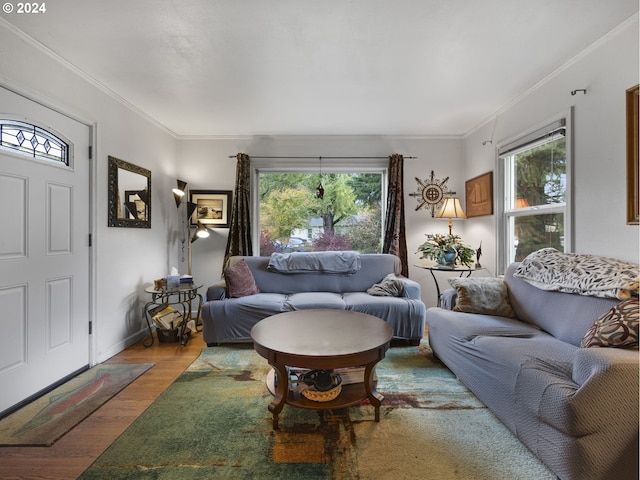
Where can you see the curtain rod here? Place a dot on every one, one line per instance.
(317, 157)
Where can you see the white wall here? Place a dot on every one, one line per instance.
(606, 70)
(126, 259)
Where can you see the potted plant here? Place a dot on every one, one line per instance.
(447, 250)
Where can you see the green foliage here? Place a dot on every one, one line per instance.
(541, 180)
(538, 231)
(539, 173)
(438, 244)
(339, 202)
(288, 202)
(367, 187)
(270, 182)
(284, 211)
(365, 234)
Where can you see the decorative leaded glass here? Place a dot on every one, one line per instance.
(32, 141)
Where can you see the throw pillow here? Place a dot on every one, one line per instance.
(390, 286)
(617, 327)
(485, 295)
(240, 281)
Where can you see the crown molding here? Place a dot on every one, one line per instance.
(312, 137)
(628, 23)
(82, 74)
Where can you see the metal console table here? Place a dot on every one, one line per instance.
(440, 268)
(182, 296)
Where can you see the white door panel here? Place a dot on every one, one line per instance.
(13, 193)
(44, 258)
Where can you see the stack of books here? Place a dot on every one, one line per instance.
(168, 319)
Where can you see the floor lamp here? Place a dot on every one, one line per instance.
(201, 232)
(179, 194)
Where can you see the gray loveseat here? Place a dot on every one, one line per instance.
(575, 408)
(226, 319)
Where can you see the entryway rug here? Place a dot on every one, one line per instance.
(213, 423)
(45, 420)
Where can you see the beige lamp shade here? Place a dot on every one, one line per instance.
(451, 209)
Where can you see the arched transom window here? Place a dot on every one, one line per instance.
(33, 141)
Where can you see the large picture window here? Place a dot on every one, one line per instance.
(535, 182)
(293, 217)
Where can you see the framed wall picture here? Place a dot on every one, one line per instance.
(213, 208)
(633, 126)
(479, 195)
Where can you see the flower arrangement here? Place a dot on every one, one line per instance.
(447, 250)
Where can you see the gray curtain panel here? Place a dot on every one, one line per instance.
(239, 242)
(395, 239)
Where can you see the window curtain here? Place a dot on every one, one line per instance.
(395, 238)
(239, 242)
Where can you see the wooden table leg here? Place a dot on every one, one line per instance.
(281, 387)
(372, 393)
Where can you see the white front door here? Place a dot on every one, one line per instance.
(44, 254)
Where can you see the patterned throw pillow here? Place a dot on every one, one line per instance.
(485, 295)
(240, 281)
(618, 327)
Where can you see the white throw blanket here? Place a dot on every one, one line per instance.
(549, 269)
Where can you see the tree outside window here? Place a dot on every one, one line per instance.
(293, 218)
(536, 196)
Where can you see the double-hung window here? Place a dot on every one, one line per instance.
(535, 178)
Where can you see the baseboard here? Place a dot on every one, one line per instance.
(122, 345)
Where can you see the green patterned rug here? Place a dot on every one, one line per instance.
(213, 423)
(45, 420)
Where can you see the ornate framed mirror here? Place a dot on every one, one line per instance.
(129, 195)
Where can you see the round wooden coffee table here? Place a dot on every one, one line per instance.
(322, 339)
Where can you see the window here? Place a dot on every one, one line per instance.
(536, 192)
(292, 218)
(32, 141)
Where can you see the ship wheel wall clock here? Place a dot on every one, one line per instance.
(431, 193)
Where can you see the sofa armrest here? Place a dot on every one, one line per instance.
(606, 398)
(217, 291)
(618, 365)
(411, 288)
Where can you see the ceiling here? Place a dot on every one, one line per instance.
(343, 67)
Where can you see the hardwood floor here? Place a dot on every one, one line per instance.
(73, 453)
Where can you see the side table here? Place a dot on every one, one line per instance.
(182, 296)
(440, 268)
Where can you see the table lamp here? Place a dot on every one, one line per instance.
(451, 209)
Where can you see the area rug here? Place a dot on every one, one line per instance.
(213, 423)
(45, 420)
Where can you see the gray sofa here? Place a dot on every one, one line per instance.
(575, 408)
(226, 319)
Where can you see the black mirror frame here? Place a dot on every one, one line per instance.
(114, 220)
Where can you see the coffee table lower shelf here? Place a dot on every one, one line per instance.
(350, 395)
